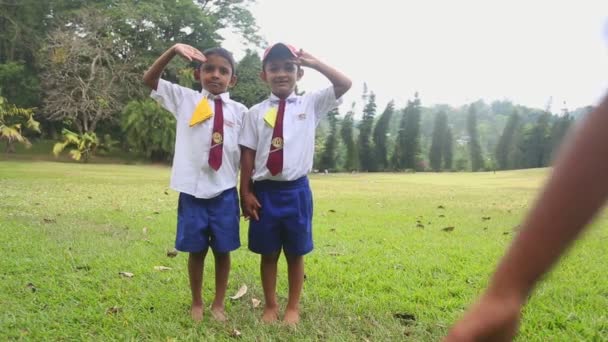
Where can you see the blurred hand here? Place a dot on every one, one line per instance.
(492, 318)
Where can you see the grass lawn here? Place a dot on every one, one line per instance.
(68, 229)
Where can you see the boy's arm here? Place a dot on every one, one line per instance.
(340, 82)
(152, 75)
(249, 202)
(575, 192)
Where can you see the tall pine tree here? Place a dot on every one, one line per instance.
(440, 130)
(366, 153)
(348, 138)
(474, 144)
(328, 158)
(407, 148)
(448, 150)
(506, 142)
(380, 136)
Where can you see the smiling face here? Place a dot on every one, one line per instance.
(281, 74)
(216, 74)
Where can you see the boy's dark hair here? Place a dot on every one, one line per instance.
(220, 51)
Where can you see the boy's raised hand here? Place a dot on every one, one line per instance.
(189, 53)
(306, 59)
(250, 206)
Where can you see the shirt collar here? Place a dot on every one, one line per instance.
(224, 96)
(290, 99)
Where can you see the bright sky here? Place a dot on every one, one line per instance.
(450, 52)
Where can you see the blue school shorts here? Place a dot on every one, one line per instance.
(204, 223)
(285, 218)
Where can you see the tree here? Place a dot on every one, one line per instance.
(85, 80)
(348, 138)
(249, 89)
(12, 121)
(149, 129)
(366, 157)
(380, 136)
(83, 145)
(474, 144)
(440, 131)
(328, 158)
(559, 129)
(407, 147)
(448, 153)
(505, 144)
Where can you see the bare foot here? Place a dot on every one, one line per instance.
(197, 312)
(219, 314)
(292, 317)
(271, 314)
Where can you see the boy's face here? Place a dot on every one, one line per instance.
(216, 75)
(282, 75)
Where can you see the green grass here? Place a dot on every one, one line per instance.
(70, 228)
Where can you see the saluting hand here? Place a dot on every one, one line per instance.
(189, 53)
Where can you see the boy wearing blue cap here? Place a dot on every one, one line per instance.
(277, 142)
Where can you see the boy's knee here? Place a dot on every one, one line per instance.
(271, 258)
(293, 259)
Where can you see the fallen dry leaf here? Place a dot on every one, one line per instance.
(31, 287)
(240, 293)
(145, 230)
(406, 318)
(172, 253)
(255, 302)
(235, 333)
(126, 274)
(113, 310)
(162, 268)
(448, 229)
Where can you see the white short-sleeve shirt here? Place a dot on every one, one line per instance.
(302, 115)
(191, 172)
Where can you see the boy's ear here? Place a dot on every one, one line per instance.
(197, 74)
(233, 81)
(300, 73)
(263, 76)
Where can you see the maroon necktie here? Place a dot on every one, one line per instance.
(275, 157)
(217, 136)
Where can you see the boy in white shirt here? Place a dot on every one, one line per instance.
(277, 142)
(205, 165)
